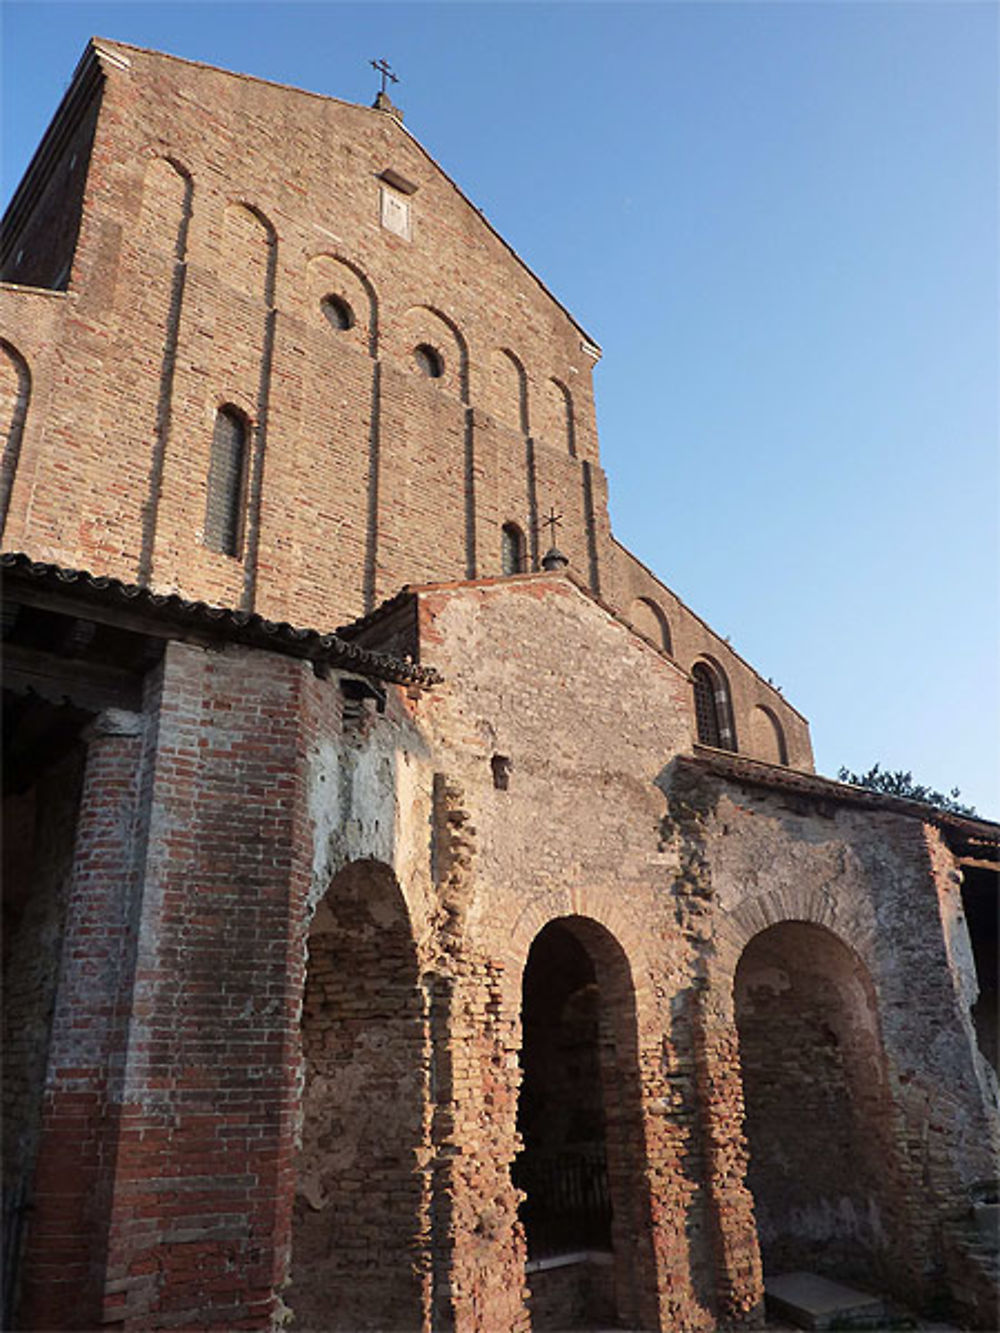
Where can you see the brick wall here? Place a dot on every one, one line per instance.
(760, 712)
(202, 1188)
(887, 1027)
(283, 914)
(172, 293)
(200, 275)
(63, 1270)
(587, 716)
(539, 783)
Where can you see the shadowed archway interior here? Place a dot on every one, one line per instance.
(357, 1253)
(818, 1113)
(578, 1117)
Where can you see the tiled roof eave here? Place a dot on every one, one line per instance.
(170, 610)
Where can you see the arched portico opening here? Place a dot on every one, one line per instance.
(818, 1112)
(358, 1258)
(585, 1211)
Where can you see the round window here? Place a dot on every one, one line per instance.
(339, 314)
(429, 361)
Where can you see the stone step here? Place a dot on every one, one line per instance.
(810, 1301)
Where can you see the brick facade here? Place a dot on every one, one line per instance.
(429, 976)
(200, 271)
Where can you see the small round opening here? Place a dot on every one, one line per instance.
(339, 314)
(429, 361)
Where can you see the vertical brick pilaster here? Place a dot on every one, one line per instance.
(67, 1232)
(478, 1243)
(198, 1234)
(739, 1276)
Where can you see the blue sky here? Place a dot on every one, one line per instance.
(779, 221)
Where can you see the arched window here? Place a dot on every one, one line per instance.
(713, 717)
(511, 549)
(706, 718)
(429, 361)
(226, 477)
(15, 393)
(339, 314)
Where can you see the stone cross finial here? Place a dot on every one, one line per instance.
(382, 67)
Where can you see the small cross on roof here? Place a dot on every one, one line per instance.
(382, 67)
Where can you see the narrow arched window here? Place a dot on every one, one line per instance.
(705, 714)
(226, 478)
(712, 710)
(511, 549)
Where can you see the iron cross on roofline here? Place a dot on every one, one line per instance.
(553, 521)
(382, 67)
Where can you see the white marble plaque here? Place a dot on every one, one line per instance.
(395, 214)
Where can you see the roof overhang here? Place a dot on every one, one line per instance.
(169, 616)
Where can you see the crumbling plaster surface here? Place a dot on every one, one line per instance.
(369, 792)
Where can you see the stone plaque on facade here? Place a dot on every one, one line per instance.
(395, 214)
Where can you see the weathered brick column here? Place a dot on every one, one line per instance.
(478, 1246)
(199, 1233)
(66, 1241)
(739, 1276)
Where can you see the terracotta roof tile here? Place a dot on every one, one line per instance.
(247, 627)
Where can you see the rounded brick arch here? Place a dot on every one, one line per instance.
(558, 424)
(595, 906)
(257, 214)
(359, 1206)
(767, 737)
(154, 157)
(649, 618)
(331, 275)
(800, 904)
(580, 1114)
(251, 250)
(422, 325)
(818, 1113)
(353, 869)
(508, 386)
(167, 194)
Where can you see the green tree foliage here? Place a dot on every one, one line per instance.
(902, 784)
